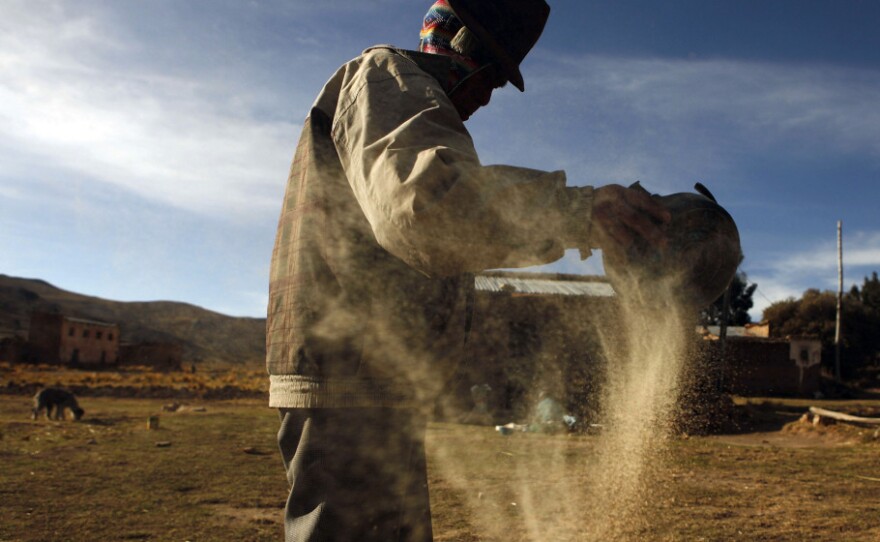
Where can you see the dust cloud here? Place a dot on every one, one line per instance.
(645, 372)
(595, 488)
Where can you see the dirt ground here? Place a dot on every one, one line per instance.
(211, 472)
(795, 483)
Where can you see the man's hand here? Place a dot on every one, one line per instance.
(623, 217)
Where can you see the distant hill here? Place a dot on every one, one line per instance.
(207, 337)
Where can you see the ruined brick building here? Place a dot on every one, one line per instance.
(56, 338)
(533, 333)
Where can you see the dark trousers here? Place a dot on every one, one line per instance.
(355, 475)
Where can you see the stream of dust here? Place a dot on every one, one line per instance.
(595, 489)
(646, 362)
(606, 495)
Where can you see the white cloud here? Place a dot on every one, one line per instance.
(572, 264)
(671, 120)
(866, 256)
(192, 142)
(790, 273)
(765, 102)
(770, 290)
(860, 249)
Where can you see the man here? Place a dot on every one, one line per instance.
(387, 212)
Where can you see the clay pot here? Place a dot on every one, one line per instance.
(698, 264)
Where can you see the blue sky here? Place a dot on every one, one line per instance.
(144, 145)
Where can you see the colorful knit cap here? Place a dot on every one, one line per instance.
(440, 26)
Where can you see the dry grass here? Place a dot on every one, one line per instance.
(219, 478)
(748, 487)
(105, 477)
(136, 381)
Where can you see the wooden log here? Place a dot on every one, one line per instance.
(840, 416)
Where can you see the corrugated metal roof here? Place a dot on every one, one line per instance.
(543, 286)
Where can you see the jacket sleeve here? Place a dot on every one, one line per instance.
(416, 175)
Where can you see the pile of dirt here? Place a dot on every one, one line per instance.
(705, 411)
(831, 431)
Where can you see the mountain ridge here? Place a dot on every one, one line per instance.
(208, 337)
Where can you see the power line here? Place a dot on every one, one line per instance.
(758, 289)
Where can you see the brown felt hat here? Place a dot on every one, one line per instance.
(508, 29)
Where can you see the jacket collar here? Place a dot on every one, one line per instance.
(437, 66)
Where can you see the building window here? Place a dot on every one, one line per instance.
(99, 334)
(85, 334)
(805, 354)
(110, 337)
(70, 332)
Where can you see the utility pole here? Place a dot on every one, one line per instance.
(837, 329)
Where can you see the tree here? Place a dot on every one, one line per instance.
(870, 293)
(863, 319)
(814, 314)
(740, 302)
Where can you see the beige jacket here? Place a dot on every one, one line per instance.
(387, 212)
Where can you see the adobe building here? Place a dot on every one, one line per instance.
(541, 332)
(754, 364)
(532, 333)
(60, 339)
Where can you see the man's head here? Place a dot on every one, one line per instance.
(487, 40)
(475, 90)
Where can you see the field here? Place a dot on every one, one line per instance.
(211, 472)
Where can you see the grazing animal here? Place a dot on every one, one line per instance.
(58, 399)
